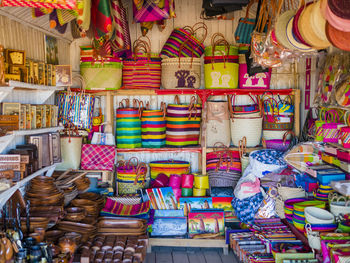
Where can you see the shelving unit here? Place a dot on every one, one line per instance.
(156, 150)
(6, 195)
(17, 91)
(6, 140)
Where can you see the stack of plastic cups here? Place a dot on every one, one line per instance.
(187, 185)
(201, 184)
(175, 184)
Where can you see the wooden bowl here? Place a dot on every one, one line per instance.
(53, 235)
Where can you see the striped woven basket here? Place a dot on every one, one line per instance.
(143, 71)
(128, 126)
(153, 128)
(183, 123)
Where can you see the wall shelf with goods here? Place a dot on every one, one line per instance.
(6, 195)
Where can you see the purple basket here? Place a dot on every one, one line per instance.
(277, 144)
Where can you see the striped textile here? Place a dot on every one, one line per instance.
(142, 72)
(153, 127)
(183, 125)
(115, 208)
(176, 39)
(169, 167)
(128, 128)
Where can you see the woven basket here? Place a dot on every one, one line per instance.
(223, 178)
(181, 73)
(250, 127)
(290, 192)
(98, 76)
(279, 207)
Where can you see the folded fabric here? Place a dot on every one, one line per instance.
(115, 208)
(246, 209)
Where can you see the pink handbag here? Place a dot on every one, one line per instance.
(257, 81)
(97, 157)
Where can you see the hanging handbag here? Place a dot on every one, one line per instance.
(253, 108)
(97, 157)
(276, 120)
(245, 26)
(148, 10)
(131, 176)
(193, 46)
(183, 123)
(71, 144)
(218, 123)
(143, 70)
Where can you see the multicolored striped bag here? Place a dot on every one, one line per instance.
(183, 122)
(143, 70)
(153, 128)
(194, 46)
(169, 167)
(131, 177)
(128, 126)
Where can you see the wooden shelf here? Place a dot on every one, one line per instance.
(6, 195)
(23, 85)
(155, 150)
(11, 136)
(184, 242)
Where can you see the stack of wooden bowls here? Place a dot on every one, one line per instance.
(86, 230)
(91, 209)
(121, 226)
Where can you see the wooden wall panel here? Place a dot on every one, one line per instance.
(18, 36)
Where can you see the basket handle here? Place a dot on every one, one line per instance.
(129, 164)
(248, 8)
(180, 50)
(176, 99)
(163, 108)
(127, 103)
(198, 26)
(216, 35)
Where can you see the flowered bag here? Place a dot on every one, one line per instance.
(266, 161)
(246, 209)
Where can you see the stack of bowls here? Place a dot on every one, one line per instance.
(75, 214)
(322, 192)
(320, 219)
(99, 199)
(91, 209)
(82, 184)
(85, 230)
(43, 192)
(288, 207)
(299, 212)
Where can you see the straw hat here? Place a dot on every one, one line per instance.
(307, 31)
(294, 41)
(336, 21)
(296, 31)
(338, 38)
(318, 22)
(281, 29)
(340, 8)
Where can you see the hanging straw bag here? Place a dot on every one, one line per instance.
(143, 70)
(71, 144)
(330, 128)
(193, 46)
(131, 177)
(128, 125)
(245, 26)
(221, 65)
(153, 127)
(183, 123)
(181, 72)
(218, 123)
(246, 126)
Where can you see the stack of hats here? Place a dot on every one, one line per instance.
(288, 207)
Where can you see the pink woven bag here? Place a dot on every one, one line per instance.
(97, 157)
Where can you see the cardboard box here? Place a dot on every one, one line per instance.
(11, 108)
(47, 116)
(41, 71)
(39, 116)
(8, 123)
(23, 117)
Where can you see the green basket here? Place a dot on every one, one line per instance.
(106, 76)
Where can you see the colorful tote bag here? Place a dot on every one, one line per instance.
(278, 115)
(245, 27)
(221, 71)
(259, 80)
(148, 10)
(153, 128)
(183, 123)
(186, 36)
(115, 208)
(97, 157)
(128, 125)
(131, 176)
(143, 70)
(169, 167)
(76, 108)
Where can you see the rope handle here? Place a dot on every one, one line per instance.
(227, 45)
(248, 8)
(176, 99)
(180, 49)
(138, 172)
(163, 108)
(129, 165)
(216, 35)
(201, 26)
(127, 103)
